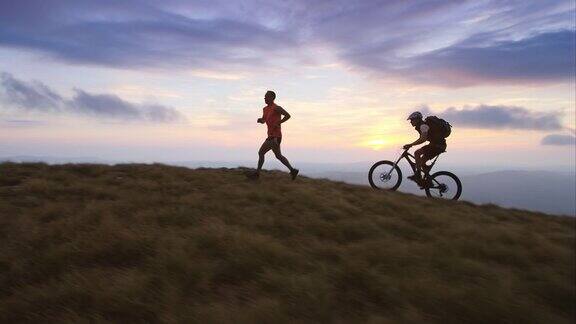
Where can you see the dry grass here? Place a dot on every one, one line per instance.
(152, 243)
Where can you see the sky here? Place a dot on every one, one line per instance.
(184, 80)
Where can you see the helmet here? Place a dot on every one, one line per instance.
(415, 115)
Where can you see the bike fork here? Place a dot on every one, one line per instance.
(393, 167)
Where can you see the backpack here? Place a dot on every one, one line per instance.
(439, 128)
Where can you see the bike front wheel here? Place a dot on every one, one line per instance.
(444, 185)
(385, 175)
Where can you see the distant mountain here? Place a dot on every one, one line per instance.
(549, 192)
(53, 160)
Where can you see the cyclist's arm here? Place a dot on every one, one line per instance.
(284, 113)
(423, 136)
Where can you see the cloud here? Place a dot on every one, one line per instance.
(17, 123)
(447, 43)
(540, 58)
(456, 44)
(35, 96)
(112, 106)
(29, 96)
(558, 139)
(137, 34)
(500, 117)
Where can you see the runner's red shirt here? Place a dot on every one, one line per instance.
(272, 118)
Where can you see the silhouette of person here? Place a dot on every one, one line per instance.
(273, 116)
(427, 152)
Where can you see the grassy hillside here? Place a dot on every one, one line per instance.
(152, 243)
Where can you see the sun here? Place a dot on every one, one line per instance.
(376, 144)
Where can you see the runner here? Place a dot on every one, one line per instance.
(273, 115)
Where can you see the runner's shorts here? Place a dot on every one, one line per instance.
(274, 137)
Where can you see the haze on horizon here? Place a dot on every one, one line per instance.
(174, 80)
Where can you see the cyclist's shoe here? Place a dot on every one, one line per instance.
(294, 173)
(426, 183)
(419, 181)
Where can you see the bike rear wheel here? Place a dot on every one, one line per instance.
(444, 185)
(385, 175)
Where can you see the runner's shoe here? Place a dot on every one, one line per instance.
(294, 173)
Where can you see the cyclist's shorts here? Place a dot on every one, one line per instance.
(431, 150)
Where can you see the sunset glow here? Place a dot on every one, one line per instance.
(376, 144)
(194, 87)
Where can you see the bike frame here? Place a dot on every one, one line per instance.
(406, 155)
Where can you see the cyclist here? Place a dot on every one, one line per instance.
(273, 116)
(436, 146)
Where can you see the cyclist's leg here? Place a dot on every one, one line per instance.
(419, 155)
(431, 152)
(278, 153)
(429, 155)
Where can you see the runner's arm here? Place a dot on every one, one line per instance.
(284, 113)
(261, 119)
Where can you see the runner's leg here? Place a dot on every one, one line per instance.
(266, 146)
(278, 152)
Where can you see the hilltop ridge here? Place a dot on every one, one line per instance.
(155, 243)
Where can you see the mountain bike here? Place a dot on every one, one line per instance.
(387, 175)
